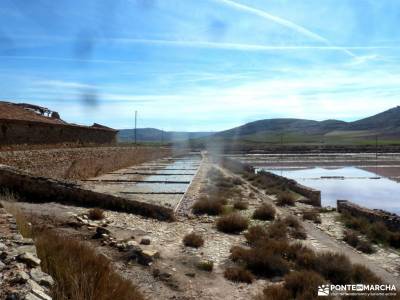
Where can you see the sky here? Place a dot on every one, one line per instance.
(201, 65)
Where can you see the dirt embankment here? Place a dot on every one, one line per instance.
(80, 163)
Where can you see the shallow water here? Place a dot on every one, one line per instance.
(363, 187)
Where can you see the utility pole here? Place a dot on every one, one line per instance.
(376, 147)
(135, 127)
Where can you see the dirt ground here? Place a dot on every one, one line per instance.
(174, 274)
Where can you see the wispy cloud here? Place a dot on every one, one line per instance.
(281, 21)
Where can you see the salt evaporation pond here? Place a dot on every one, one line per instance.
(348, 183)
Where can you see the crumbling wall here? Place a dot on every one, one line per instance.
(21, 132)
(80, 163)
(20, 274)
(313, 196)
(40, 189)
(392, 221)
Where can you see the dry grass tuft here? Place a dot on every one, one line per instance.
(298, 285)
(264, 212)
(312, 215)
(351, 238)
(232, 223)
(256, 234)
(240, 205)
(296, 230)
(79, 272)
(207, 266)
(285, 199)
(96, 214)
(193, 240)
(238, 274)
(209, 206)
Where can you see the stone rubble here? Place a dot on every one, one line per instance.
(20, 274)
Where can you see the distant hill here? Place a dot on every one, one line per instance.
(385, 126)
(157, 135)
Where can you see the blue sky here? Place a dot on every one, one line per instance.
(201, 65)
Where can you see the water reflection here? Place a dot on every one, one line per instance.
(350, 183)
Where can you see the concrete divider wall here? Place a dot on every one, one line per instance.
(15, 132)
(392, 221)
(40, 189)
(313, 196)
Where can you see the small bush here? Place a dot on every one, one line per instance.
(298, 233)
(256, 234)
(292, 221)
(206, 205)
(96, 214)
(264, 260)
(297, 230)
(240, 205)
(237, 181)
(361, 274)
(378, 233)
(303, 284)
(193, 240)
(274, 292)
(232, 223)
(284, 199)
(334, 267)
(277, 230)
(365, 246)
(264, 212)
(206, 265)
(238, 274)
(351, 238)
(312, 216)
(394, 240)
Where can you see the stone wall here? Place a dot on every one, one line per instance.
(80, 163)
(21, 132)
(313, 196)
(392, 221)
(37, 189)
(20, 274)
